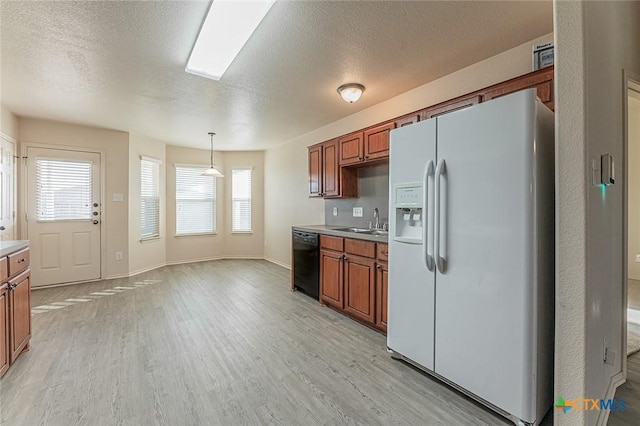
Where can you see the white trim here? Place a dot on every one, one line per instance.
(241, 256)
(242, 232)
(204, 259)
(3, 135)
(147, 269)
(197, 234)
(195, 166)
(614, 382)
(634, 277)
(284, 265)
(150, 238)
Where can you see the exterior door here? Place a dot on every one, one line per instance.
(7, 189)
(63, 215)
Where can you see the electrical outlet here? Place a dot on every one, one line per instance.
(335, 213)
(357, 212)
(638, 258)
(118, 255)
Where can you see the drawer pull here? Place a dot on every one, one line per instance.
(21, 260)
(384, 253)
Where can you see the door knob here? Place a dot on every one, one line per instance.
(95, 222)
(95, 204)
(2, 228)
(95, 213)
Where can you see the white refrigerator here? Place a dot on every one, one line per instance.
(471, 252)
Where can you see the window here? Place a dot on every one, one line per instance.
(63, 189)
(195, 201)
(149, 198)
(241, 200)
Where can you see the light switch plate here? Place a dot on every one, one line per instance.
(638, 258)
(118, 197)
(357, 212)
(335, 211)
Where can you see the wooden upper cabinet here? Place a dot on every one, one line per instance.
(450, 106)
(351, 149)
(315, 171)
(408, 119)
(330, 170)
(542, 80)
(376, 141)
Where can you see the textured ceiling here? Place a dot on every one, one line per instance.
(120, 64)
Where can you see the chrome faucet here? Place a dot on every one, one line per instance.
(376, 217)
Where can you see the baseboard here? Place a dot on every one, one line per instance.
(634, 277)
(284, 265)
(615, 381)
(204, 259)
(240, 256)
(150, 268)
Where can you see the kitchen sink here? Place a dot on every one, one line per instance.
(363, 231)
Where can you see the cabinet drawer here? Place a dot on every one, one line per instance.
(360, 248)
(4, 269)
(331, 243)
(382, 252)
(18, 262)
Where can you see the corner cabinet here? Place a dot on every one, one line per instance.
(326, 178)
(15, 307)
(350, 279)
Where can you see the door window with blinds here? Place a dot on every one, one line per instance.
(63, 189)
(149, 198)
(195, 201)
(241, 200)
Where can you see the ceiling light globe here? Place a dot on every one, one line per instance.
(351, 92)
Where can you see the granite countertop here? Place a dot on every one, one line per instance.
(8, 247)
(332, 230)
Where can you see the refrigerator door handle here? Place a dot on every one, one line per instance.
(441, 216)
(427, 216)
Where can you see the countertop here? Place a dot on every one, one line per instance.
(8, 247)
(331, 230)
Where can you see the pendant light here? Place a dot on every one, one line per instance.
(212, 171)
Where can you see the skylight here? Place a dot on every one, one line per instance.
(226, 28)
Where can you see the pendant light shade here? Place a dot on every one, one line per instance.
(212, 171)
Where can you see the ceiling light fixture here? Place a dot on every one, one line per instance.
(212, 171)
(226, 28)
(351, 92)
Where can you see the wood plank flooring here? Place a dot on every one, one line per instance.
(215, 343)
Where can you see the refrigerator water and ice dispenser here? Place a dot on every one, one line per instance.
(408, 203)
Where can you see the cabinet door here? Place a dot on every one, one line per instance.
(382, 290)
(315, 171)
(20, 314)
(359, 288)
(407, 120)
(4, 330)
(331, 278)
(376, 142)
(542, 80)
(350, 149)
(330, 170)
(451, 106)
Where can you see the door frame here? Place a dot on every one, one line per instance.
(631, 81)
(24, 197)
(15, 181)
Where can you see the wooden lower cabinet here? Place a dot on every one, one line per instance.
(332, 278)
(351, 279)
(382, 291)
(4, 329)
(15, 307)
(359, 287)
(19, 314)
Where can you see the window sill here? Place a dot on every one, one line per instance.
(198, 234)
(242, 232)
(149, 239)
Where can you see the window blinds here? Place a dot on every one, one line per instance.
(63, 189)
(149, 198)
(241, 200)
(195, 201)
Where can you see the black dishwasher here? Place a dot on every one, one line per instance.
(306, 262)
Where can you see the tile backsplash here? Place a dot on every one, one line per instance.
(374, 193)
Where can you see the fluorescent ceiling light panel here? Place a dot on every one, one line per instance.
(227, 27)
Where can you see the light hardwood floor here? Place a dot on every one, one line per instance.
(215, 343)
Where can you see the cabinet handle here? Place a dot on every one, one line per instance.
(366, 157)
(378, 266)
(384, 253)
(21, 260)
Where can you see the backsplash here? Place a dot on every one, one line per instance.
(374, 193)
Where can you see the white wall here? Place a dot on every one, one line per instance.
(595, 41)
(634, 187)
(149, 254)
(8, 123)
(115, 145)
(199, 247)
(286, 179)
